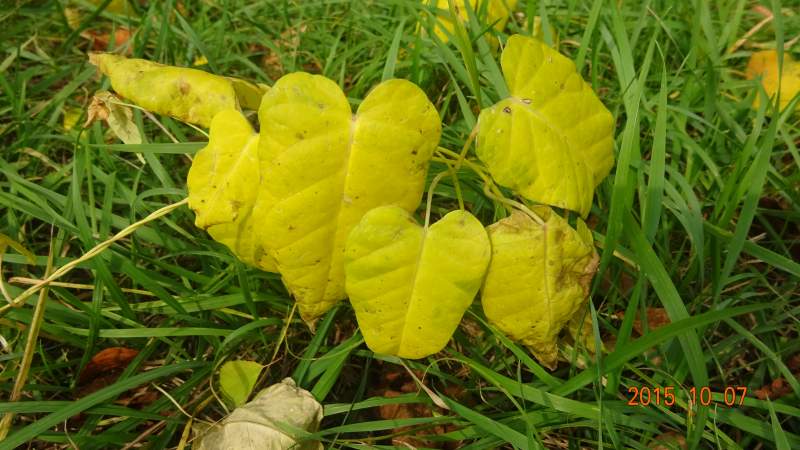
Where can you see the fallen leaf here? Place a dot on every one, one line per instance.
(537, 281)
(409, 286)
(551, 140)
(656, 318)
(119, 117)
(237, 380)
(764, 64)
(71, 117)
(102, 40)
(276, 419)
(494, 12)
(106, 361)
(775, 390)
(668, 441)
(189, 95)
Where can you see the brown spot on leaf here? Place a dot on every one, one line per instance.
(507, 110)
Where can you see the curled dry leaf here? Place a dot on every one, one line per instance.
(764, 64)
(276, 419)
(189, 95)
(104, 369)
(537, 281)
(775, 390)
(410, 286)
(323, 168)
(551, 139)
(119, 117)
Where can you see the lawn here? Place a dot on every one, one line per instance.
(694, 310)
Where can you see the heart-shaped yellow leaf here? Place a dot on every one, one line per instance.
(224, 183)
(325, 167)
(537, 281)
(551, 140)
(409, 287)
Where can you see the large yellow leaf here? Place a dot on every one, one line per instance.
(189, 95)
(497, 14)
(764, 64)
(537, 281)
(224, 183)
(325, 168)
(410, 287)
(551, 140)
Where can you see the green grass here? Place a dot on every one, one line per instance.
(702, 203)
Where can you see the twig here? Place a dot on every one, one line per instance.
(96, 250)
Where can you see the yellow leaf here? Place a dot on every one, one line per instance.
(765, 65)
(224, 183)
(497, 13)
(189, 95)
(71, 116)
(551, 140)
(237, 380)
(249, 94)
(537, 281)
(324, 168)
(409, 287)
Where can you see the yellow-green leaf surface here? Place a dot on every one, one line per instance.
(190, 95)
(325, 167)
(551, 140)
(409, 287)
(224, 183)
(237, 380)
(537, 281)
(496, 12)
(249, 94)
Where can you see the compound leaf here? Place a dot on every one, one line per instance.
(537, 281)
(224, 183)
(325, 168)
(409, 287)
(551, 140)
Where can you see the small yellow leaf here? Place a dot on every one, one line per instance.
(537, 281)
(71, 116)
(324, 168)
(552, 139)
(189, 95)
(249, 94)
(224, 184)
(409, 287)
(237, 380)
(764, 64)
